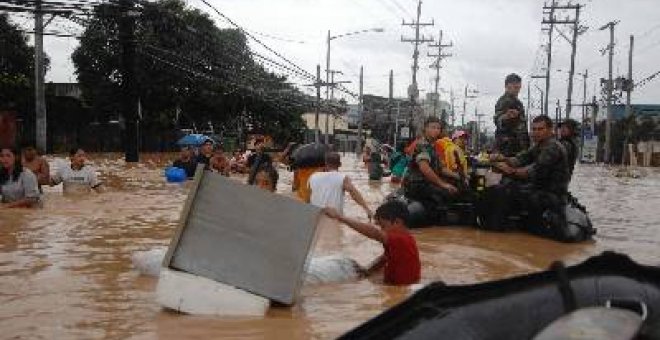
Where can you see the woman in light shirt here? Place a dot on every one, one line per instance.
(19, 187)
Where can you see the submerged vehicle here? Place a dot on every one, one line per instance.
(466, 210)
(525, 306)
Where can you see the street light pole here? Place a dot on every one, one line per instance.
(330, 83)
(327, 88)
(358, 149)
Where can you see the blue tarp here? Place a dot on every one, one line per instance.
(193, 139)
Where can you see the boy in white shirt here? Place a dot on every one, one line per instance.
(328, 187)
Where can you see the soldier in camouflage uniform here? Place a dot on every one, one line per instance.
(511, 125)
(423, 181)
(567, 131)
(542, 182)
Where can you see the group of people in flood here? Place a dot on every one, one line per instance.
(214, 158)
(536, 175)
(433, 170)
(24, 172)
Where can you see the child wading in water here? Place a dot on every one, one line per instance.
(266, 178)
(401, 257)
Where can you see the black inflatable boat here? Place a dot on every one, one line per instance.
(521, 307)
(466, 210)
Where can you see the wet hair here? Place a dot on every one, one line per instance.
(332, 159)
(512, 79)
(18, 167)
(391, 210)
(432, 119)
(543, 119)
(74, 151)
(271, 173)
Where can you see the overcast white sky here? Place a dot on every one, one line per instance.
(491, 39)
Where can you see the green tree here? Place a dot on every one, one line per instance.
(16, 66)
(189, 71)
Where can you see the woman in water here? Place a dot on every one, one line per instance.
(19, 187)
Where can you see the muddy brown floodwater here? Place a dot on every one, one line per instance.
(66, 272)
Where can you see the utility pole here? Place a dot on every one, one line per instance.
(358, 149)
(544, 108)
(628, 87)
(327, 69)
(129, 86)
(396, 123)
(608, 125)
(576, 31)
(436, 65)
(39, 72)
(629, 84)
(329, 114)
(317, 131)
(477, 138)
(413, 90)
(550, 21)
(529, 95)
(585, 75)
(389, 105)
(467, 96)
(453, 111)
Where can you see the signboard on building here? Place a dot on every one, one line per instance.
(589, 149)
(404, 132)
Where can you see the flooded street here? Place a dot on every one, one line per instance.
(66, 271)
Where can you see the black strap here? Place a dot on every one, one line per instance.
(564, 285)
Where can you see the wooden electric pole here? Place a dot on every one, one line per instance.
(39, 74)
(128, 84)
(413, 90)
(609, 89)
(437, 66)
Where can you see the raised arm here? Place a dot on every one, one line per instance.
(356, 195)
(365, 229)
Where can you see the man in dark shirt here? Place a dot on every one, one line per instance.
(186, 162)
(258, 160)
(423, 181)
(511, 125)
(567, 131)
(540, 180)
(205, 153)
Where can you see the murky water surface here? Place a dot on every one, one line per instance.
(66, 272)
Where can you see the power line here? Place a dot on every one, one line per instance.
(248, 34)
